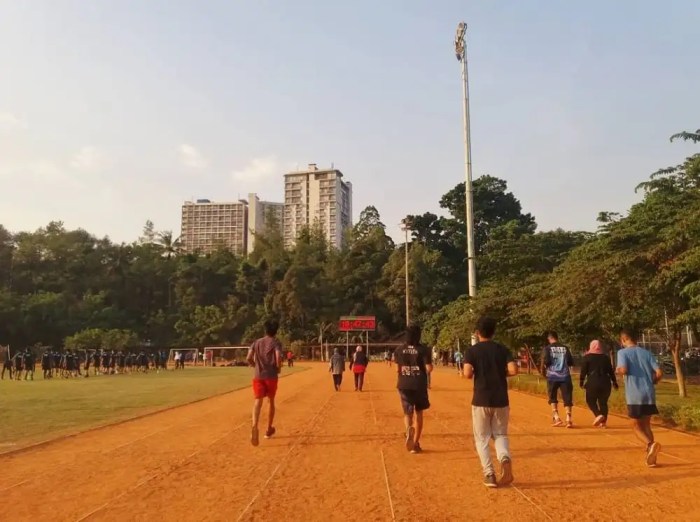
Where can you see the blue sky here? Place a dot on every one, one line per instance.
(116, 111)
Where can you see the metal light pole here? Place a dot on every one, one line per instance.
(461, 52)
(405, 228)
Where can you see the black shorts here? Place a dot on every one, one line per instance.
(567, 391)
(637, 411)
(414, 400)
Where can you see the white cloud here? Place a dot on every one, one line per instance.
(88, 159)
(191, 157)
(258, 170)
(9, 121)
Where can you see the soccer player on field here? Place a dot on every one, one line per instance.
(266, 356)
(337, 367)
(46, 364)
(489, 363)
(641, 372)
(556, 367)
(414, 364)
(29, 364)
(6, 366)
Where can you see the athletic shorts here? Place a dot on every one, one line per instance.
(414, 400)
(265, 388)
(567, 391)
(637, 411)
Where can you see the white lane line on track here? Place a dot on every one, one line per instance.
(284, 459)
(388, 489)
(371, 400)
(538, 508)
(15, 485)
(148, 479)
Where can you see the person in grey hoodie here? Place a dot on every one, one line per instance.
(337, 367)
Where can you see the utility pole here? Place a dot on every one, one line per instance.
(405, 228)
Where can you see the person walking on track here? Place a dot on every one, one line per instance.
(641, 373)
(597, 378)
(556, 367)
(337, 367)
(459, 362)
(358, 365)
(489, 364)
(414, 364)
(266, 356)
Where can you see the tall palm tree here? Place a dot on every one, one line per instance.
(170, 246)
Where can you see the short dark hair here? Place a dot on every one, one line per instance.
(554, 335)
(486, 326)
(413, 333)
(271, 327)
(629, 332)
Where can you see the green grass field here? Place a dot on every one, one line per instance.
(674, 410)
(32, 411)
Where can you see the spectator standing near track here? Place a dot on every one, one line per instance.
(641, 373)
(597, 378)
(266, 356)
(358, 365)
(459, 362)
(489, 364)
(337, 367)
(413, 364)
(556, 367)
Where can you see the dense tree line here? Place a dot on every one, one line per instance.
(640, 269)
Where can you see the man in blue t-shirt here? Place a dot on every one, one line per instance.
(641, 372)
(555, 366)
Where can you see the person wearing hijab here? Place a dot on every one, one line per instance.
(597, 378)
(359, 367)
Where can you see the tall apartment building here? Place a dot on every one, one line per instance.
(316, 197)
(258, 215)
(208, 226)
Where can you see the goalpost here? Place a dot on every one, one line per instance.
(225, 355)
(191, 355)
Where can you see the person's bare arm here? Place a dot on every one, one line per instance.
(658, 374)
(621, 370)
(512, 369)
(468, 371)
(429, 368)
(251, 357)
(278, 360)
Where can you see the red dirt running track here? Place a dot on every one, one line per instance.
(340, 456)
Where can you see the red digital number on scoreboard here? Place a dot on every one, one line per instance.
(357, 323)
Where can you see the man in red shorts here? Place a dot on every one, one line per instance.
(265, 355)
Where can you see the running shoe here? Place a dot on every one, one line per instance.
(416, 449)
(569, 422)
(490, 481)
(556, 421)
(506, 472)
(410, 433)
(254, 436)
(270, 432)
(599, 420)
(652, 454)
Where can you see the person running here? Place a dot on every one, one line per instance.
(358, 365)
(597, 378)
(413, 364)
(641, 373)
(556, 367)
(266, 356)
(337, 367)
(489, 364)
(459, 362)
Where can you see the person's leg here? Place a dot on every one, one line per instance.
(639, 428)
(257, 407)
(481, 426)
(361, 380)
(603, 397)
(271, 414)
(357, 380)
(646, 426)
(552, 390)
(499, 430)
(592, 400)
(567, 395)
(418, 426)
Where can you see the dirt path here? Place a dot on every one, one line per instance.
(340, 456)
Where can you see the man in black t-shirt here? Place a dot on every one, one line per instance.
(414, 364)
(489, 363)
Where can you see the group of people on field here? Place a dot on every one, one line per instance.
(69, 363)
(488, 364)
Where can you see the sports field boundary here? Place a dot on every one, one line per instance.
(60, 438)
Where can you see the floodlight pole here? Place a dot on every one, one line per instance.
(404, 226)
(461, 52)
